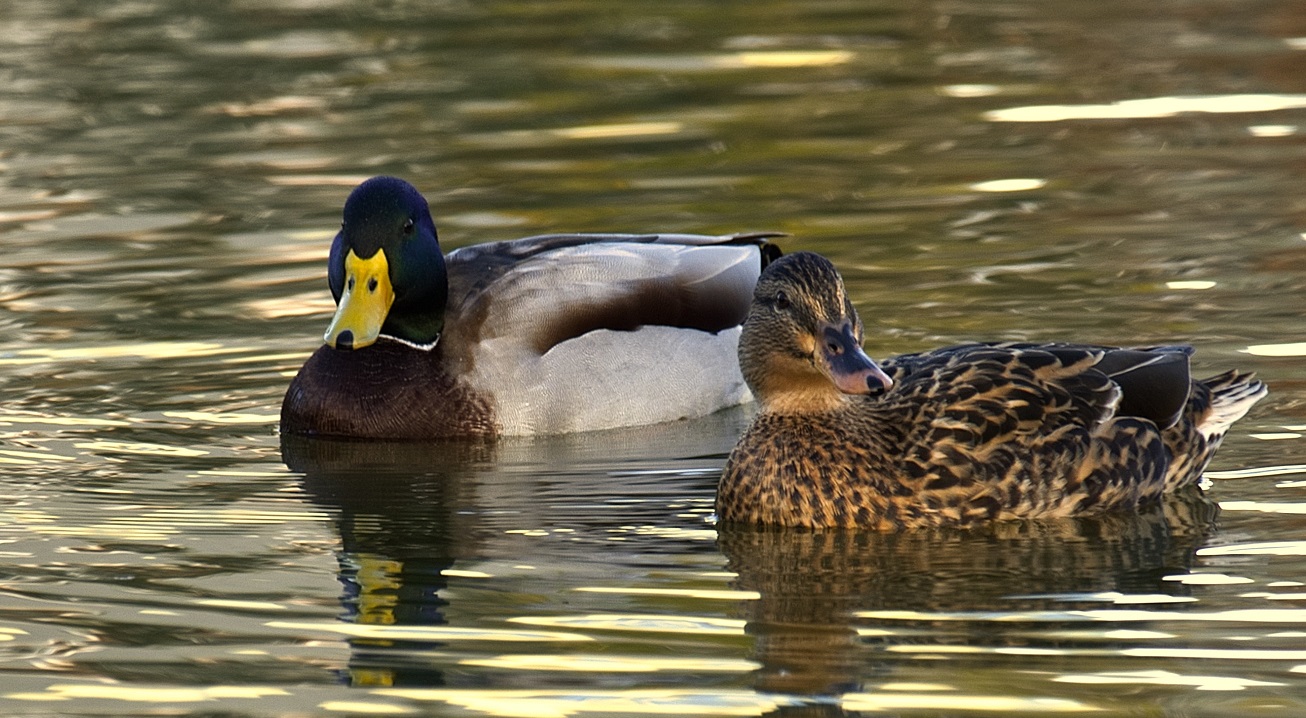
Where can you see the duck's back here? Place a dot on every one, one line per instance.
(583, 332)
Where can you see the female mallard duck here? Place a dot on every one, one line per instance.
(955, 436)
(548, 334)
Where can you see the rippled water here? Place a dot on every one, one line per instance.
(170, 175)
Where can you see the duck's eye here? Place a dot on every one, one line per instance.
(408, 226)
(781, 301)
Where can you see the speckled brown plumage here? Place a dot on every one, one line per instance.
(965, 434)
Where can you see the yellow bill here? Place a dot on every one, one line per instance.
(364, 303)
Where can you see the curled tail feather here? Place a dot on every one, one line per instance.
(1232, 394)
(1214, 405)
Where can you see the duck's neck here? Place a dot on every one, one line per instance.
(806, 400)
(416, 328)
(422, 293)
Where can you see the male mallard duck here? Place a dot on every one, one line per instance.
(955, 436)
(547, 334)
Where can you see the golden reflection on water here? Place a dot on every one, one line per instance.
(970, 90)
(1275, 596)
(1207, 579)
(139, 447)
(7, 634)
(1264, 507)
(1217, 654)
(1150, 108)
(1276, 436)
(1238, 615)
(296, 305)
(145, 350)
(1292, 349)
(150, 526)
(614, 131)
(1164, 678)
(209, 417)
(71, 421)
(1009, 185)
(239, 472)
(629, 129)
(1256, 472)
(722, 61)
(272, 106)
(362, 708)
(640, 623)
(464, 573)
(563, 704)
(143, 694)
(693, 124)
(1223, 654)
(30, 458)
(1272, 130)
(672, 532)
(1261, 548)
(886, 701)
(786, 58)
(322, 180)
(612, 664)
(704, 594)
(1195, 284)
(429, 633)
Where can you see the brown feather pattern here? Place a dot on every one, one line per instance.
(967, 434)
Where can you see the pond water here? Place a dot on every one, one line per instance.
(170, 176)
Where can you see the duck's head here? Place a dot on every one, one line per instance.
(386, 269)
(801, 347)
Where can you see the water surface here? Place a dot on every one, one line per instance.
(170, 176)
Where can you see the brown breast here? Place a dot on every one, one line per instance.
(385, 391)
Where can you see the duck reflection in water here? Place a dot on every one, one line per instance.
(400, 529)
(407, 512)
(811, 640)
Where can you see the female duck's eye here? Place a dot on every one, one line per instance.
(408, 227)
(781, 301)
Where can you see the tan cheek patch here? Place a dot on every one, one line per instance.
(807, 344)
(790, 372)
